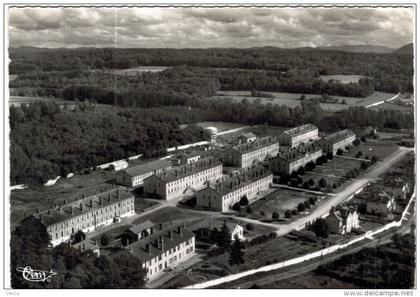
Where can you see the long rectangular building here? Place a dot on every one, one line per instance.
(295, 136)
(222, 195)
(246, 154)
(166, 247)
(297, 157)
(86, 214)
(333, 142)
(179, 180)
(134, 176)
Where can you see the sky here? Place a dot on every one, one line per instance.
(155, 27)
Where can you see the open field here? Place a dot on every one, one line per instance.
(372, 148)
(293, 99)
(221, 126)
(19, 100)
(136, 70)
(344, 79)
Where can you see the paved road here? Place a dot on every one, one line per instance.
(313, 264)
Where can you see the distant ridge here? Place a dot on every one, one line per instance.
(361, 48)
(407, 49)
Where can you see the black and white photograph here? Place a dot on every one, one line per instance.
(209, 146)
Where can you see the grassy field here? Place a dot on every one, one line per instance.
(310, 280)
(221, 126)
(136, 70)
(279, 201)
(344, 79)
(66, 188)
(371, 148)
(293, 99)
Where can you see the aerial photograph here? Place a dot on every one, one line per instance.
(204, 147)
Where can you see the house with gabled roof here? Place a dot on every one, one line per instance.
(342, 220)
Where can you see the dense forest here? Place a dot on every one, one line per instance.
(391, 72)
(46, 141)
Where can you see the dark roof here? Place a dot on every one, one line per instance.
(138, 248)
(338, 136)
(147, 167)
(255, 145)
(300, 130)
(299, 152)
(343, 212)
(79, 206)
(249, 135)
(237, 181)
(140, 227)
(182, 171)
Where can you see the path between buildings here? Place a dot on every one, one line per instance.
(280, 186)
(352, 158)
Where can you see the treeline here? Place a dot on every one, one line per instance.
(175, 86)
(46, 141)
(74, 269)
(392, 72)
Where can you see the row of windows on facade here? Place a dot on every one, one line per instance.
(82, 217)
(169, 252)
(173, 259)
(193, 176)
(95, 221)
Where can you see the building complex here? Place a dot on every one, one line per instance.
(86, 214)
(165, 247)
(295, 136)
(134, 176)
(246, 154)
(173, 183)
(222, 195)
(334, 142)
(295, 158)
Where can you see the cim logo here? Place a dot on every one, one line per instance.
(33, 275)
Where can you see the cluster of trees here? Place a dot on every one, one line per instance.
(47, 142)
(392, 72)
(390, 266)
(75, 270)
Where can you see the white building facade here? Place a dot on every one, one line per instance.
(292, 160)
(179, 180)
(332, 143)
(223, 195)
(86, 214)
(246, 154)
(298, 135)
